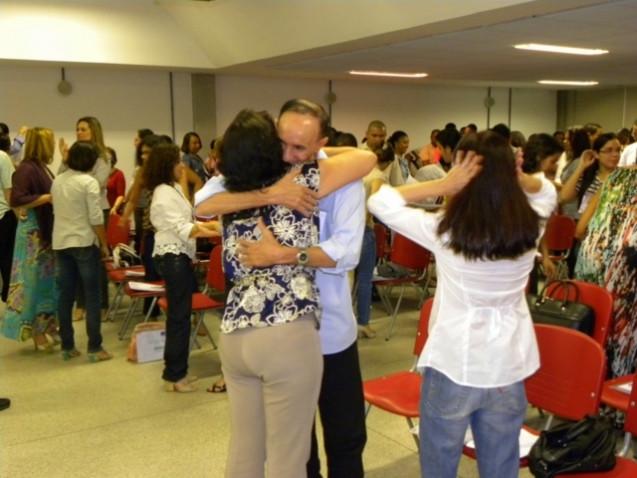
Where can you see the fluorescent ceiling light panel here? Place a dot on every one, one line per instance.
(388, 73)
(569, 50)
(569, 83)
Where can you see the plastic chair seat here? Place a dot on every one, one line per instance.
(200, 302)
(137, 294)
(119, 275)
(397, 393)
(524, 460)
(614, 398)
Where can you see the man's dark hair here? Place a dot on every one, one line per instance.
(490, 218)
(82, 156)
(472, 127)
(307, 107)
(160, 166)
(537, 148)
(448, 138)
(5, 143)
(251, 155)
(4, 129)
(141, 133)
(345, 139)
(451, 126)
(503, 130)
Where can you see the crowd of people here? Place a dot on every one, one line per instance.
(296, 202)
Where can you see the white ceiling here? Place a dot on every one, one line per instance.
(454, 41)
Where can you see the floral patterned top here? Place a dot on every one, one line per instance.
(261, 297)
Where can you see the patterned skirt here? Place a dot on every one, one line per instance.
(32, 301)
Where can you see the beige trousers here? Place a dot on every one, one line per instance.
(273, 375)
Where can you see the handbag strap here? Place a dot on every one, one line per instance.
(560, 284)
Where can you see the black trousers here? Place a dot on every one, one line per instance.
(8, 225)
(342, 412)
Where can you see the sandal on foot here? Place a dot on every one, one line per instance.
(182, 386)
(217, 388)
(99, 356)
(70, 354)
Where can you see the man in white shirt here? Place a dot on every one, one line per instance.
(301, 128)
(375, 135)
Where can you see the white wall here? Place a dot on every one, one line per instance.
(416, 109)
(124, 100)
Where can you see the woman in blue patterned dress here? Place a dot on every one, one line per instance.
(32, 300)
(270, 349)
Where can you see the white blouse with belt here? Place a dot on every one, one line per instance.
(480, 332)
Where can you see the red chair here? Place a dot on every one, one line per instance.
(624, 468)
(201, 302)
(594, 296)
(116, 234)
(408, 254)
(382, 242)
(559, 387)
(399, 393)
(559, 237)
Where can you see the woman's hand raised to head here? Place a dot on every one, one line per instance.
(587, 159)
(467, 165)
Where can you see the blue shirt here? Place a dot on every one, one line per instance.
(342, 222)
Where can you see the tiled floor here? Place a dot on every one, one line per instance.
(113, 419)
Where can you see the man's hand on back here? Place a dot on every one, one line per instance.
(286, 192)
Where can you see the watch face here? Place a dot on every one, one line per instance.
(302, 257)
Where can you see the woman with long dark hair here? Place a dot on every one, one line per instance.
(481, 342)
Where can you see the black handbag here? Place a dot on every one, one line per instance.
(545, 309)
(580, 447)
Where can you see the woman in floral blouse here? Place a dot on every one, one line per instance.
(270, 350)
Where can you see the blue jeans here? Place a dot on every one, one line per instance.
(364, 275)
(495, 416)
(177, 271)
(73, 266)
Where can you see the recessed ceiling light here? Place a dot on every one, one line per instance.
(388, 73)
(569, 50)
(568, 83)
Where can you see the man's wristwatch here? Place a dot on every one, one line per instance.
(302, 257)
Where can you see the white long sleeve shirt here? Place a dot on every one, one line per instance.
(480, 332)
(172, 217)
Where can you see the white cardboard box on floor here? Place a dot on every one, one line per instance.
(150, 345)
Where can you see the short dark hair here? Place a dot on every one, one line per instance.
(141, 133)
(491, 217)
(345, 139)
(160, 166)
(82, 156)
(4, 129)
(448, 138)
(307, 107)
(251, 155)
(538, 147)
(5, 143)
(384, 155)
(472, 127)
(503, 130)
(185, 144)
(451, 125)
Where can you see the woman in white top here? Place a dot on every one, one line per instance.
(172, 216)
(481, 342)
